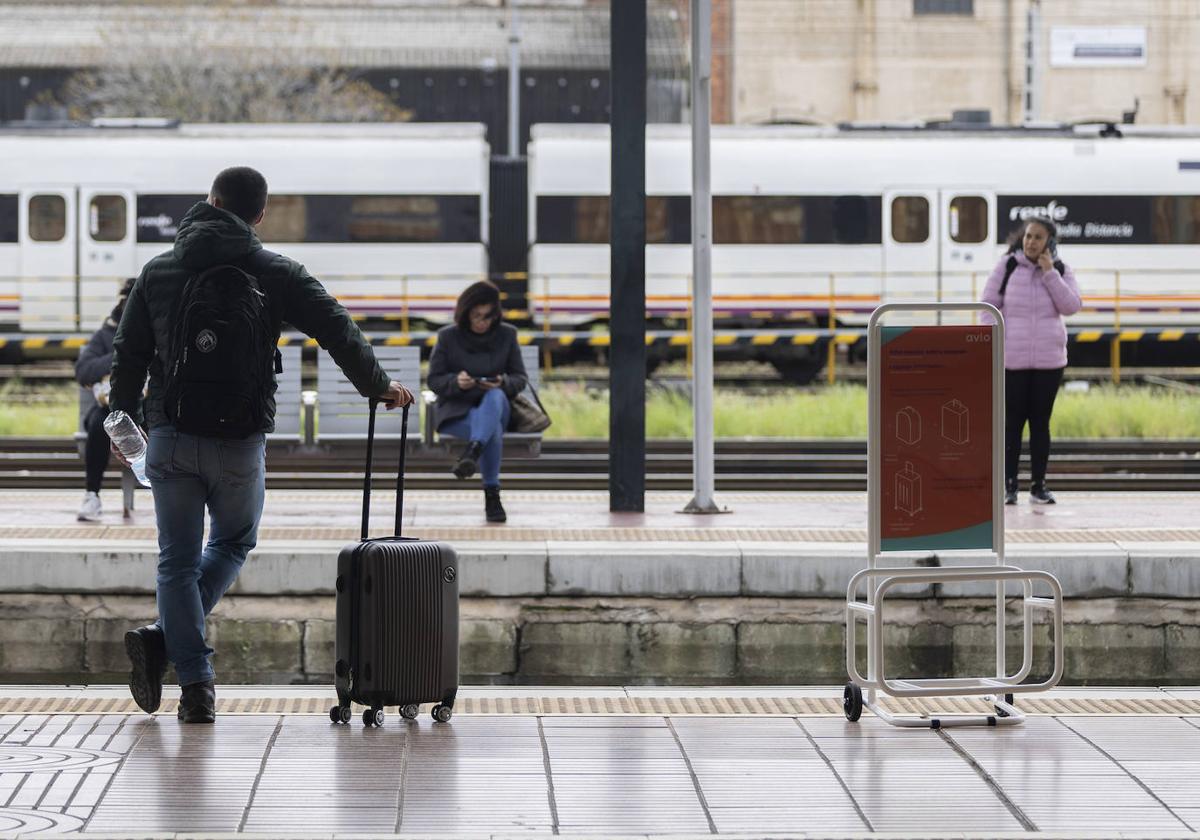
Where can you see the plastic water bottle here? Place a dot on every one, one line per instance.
(128, 438)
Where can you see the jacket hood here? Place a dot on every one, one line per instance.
(210, 236)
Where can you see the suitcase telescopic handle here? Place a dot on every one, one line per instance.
(366, 511)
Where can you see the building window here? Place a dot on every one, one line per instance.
(8, 218)
(910, 219)
(47, 218)
(943, 7)
(968, 219)
(107, 215)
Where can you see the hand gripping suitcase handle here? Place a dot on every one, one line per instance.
(366, 511)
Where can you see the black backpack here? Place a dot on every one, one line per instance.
(1011, 266)
(223, 353)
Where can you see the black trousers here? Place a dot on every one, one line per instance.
(96, 451)
(1029, 398)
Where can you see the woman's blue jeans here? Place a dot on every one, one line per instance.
(188, 474)
(485, 423)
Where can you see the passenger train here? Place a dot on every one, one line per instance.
(811, 222)
(811, 225)
(392, 216)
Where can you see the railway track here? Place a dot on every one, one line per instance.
(758, 465)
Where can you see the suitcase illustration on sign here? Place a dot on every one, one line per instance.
(397, 617)
(956, 422)
(908, 490)
(908, 426)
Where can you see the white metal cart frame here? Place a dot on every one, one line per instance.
(868, 588)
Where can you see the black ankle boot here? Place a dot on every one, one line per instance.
(1010, 491)
(491, 505)
(467, 463)
(198, 703)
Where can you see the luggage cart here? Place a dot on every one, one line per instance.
(935, 380)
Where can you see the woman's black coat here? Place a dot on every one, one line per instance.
(491, 354)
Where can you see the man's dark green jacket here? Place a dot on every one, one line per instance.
(210, 236)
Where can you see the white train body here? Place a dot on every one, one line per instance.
(392, 218)
(813, 220)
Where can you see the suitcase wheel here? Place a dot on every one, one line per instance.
(442, 713)
(372, 717)
(410, 711)
(339, 714)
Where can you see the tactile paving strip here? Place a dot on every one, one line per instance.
(94, 533)
(658, 706)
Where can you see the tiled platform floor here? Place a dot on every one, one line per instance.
(291, 515)
(504, 775)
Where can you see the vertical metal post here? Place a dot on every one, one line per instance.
(703, 444)
(1033, 71)
(627, 358)
(514, 81)
(1115, 347)
(831, 350)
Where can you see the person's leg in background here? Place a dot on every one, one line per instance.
(95, 462)
(1016, 413)
(1042, 392)
(483, 427)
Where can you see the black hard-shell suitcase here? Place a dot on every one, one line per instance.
(397, 617)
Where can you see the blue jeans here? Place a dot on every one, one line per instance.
(485, 423)
(188, 473)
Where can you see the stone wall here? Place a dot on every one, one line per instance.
(588, 640)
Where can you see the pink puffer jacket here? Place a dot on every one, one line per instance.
(1035, 335)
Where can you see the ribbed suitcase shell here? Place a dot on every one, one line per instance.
(397, 623)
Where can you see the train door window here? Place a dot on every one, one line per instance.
(8, 218)
(910, 218)
(47, 218)
(286, 219)
(968, 218)
(107, 218)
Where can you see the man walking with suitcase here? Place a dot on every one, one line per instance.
(204, 321)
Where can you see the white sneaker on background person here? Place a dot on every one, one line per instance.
(89, 511)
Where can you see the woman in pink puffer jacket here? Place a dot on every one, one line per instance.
(1038, 292)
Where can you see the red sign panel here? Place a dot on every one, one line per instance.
(936, 438)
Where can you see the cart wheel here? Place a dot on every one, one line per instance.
(442, 713)
(410, 711)
(335, 714)
(372, 717)
(852, 702)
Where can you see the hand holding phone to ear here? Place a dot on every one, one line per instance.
(1045, 260)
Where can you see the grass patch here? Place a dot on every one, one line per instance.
(838, 411)
(38, 411)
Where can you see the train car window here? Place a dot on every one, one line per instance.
(8, 218)
(107, 215)
(1175, 219)
(796, 220)
(910, 219)
(47, 218)
(286, 219)
(584, 219)
(158, 216)
(968, 218)
(392, 218)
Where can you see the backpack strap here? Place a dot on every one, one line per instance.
(1008, 270)
(257, 263)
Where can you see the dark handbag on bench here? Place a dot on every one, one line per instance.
(528, 416)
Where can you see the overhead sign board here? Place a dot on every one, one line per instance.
(1098, 46)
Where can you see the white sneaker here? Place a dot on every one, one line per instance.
(89, 511)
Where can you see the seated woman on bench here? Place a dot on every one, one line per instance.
(475, 369)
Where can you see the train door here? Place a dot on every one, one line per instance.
(910, 245)
(968, 249)
(47, 235)
(107, 249)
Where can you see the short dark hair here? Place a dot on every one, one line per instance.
(482, 292)
(242, 191)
